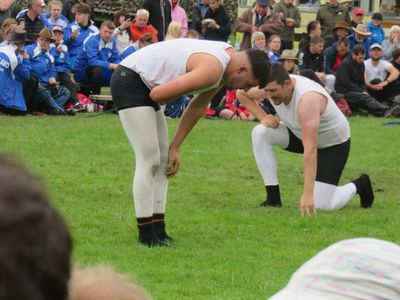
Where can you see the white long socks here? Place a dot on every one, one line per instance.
(326, 196)
(147, 132)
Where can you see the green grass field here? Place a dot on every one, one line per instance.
(226, 246)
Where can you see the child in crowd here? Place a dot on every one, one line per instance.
(375, 27)
(274, 46)
(53, 16)
(61, 63)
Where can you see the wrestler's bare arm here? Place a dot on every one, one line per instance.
(203, 70)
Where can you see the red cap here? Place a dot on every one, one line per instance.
(357, 11)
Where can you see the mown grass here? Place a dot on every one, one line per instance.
(226, 246)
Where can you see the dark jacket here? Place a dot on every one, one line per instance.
(159, 18)
(315, 62)
(328, 17)
(331, 54)
(32, 28)
(199, 10)
(350, 76)
(222, 18)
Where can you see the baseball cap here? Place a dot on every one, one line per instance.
(357, 11)
(377, 16)
(58, 28)
(263, 2)
(375, 46)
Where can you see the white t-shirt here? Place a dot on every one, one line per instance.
(333, 128)
(376, 72)
(164, 61)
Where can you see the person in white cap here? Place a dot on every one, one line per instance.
(359, 268)
(380, 76)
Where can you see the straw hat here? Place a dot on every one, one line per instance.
(288, 54)
(360, 29)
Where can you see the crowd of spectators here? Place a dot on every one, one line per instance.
(63, 42)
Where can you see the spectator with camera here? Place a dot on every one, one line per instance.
(216, 26)
(122, 34)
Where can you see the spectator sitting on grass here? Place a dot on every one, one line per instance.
(51, 95)
(61, 64)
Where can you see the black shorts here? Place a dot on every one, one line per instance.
(330, 161)
(128, 90)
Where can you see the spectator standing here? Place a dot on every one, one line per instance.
(357, 16)
(216, 26)
(199, 9)
(122, 33)
(53, 16)
(14, 71)
(329, 14)
(392, 43)
(159, 16)
(178, 14)
(380, 76)
(69, 8)
(59, 51)
(375, 27)
(30, 20)
(8, 9)
(258, 18)
(360, 36)
(291, 19)
(350, 81)
(341, 30)
(97, 59)
(77, 32)
(140, 28)
(51, 96)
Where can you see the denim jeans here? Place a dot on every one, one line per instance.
(52, 97)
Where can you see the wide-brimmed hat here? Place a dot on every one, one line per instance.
(360, 29)
(17, 37)
(47, 34)
(341, 24)
(288, 54)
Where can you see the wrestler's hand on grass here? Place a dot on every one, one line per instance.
(307, 206)
(270, 121)
(173, 162)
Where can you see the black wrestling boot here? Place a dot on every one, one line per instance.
(364, 189)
